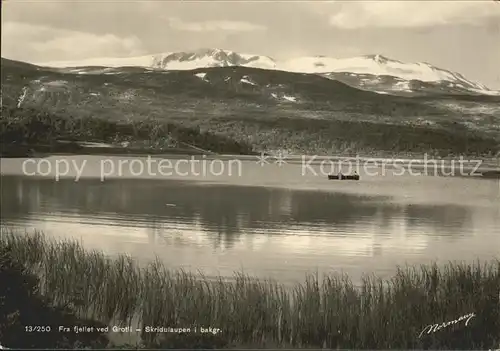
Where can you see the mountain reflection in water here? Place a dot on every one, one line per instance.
(280, 233)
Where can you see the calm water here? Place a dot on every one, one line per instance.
(269, 221)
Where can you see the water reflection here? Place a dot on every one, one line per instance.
(227, 211)
(284, 229)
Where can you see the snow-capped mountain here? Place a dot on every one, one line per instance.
(377, 65)
(210, 58)
(177, 60)
(359, 68)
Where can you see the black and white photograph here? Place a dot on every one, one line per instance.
(181, 174)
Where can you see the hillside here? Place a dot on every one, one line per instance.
(266, 109)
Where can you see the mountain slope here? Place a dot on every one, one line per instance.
(423, 76)
(386, 84)
(232, 87)
(268, 109)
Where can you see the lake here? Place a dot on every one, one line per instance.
(269, 220)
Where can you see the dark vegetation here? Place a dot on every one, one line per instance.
(27, 126)
(356, 137)
(35, 127)
(22, 307)
(328, 312)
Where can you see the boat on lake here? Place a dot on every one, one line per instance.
(341, 176)
(491, 174)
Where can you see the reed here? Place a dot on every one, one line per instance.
(325, 311)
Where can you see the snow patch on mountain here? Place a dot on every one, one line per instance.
(290, 98)
(201, 75)
(246, 79)
(284, 97)
(402, 86)
(488, 92)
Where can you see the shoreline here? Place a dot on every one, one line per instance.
(292, 159)
(100, 149)
(469, 168)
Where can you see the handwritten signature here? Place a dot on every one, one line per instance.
(432, 328)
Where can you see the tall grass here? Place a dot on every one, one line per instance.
(322, 312)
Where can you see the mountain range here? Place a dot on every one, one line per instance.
(371, 72)
(266, 109)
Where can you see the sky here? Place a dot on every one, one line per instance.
(459, 35)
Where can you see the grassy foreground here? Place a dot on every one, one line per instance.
(22, 309)
(328, 312)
